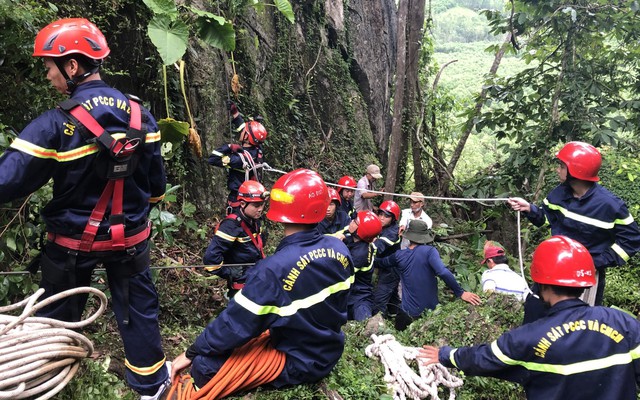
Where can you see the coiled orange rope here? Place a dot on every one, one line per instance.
(254, 364)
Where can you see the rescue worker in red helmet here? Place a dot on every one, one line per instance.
(238, 238)
(585, 211)
(575, 352)
(385, 294)
(364, 229)
(299, 294)
(243, 161)
(347, 194)
(335, 221)
(58, 146)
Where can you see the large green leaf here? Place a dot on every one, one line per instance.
(162, 6)
(216, 31)
(169, 36)
(173, 131)
(285, 8)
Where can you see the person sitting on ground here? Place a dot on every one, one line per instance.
(298, 295)
(418, 266)
(415, 211)
(385, 294)
(575, 352)
(347, 194)
(499, 277)
(364, 229)
(243, 161)
(335, 220)
(238, 238)
(364, 189)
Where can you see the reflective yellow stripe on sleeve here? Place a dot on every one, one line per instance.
(53, 154)
(152, 137)
(291, 309)
(225, 236)
(619, 251)
(588, 220)
(145, 371)
(452, 358)
(570, 369)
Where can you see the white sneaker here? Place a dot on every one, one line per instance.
(165, 385)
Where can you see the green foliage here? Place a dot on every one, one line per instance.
(93, 381)
(25, 91)
(577, 87)
(440, 6)
(460, 24)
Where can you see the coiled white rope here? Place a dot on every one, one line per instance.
(39, 356)
(402, 379)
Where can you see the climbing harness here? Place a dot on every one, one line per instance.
(402, 379)
(116, 161)
(39, 356)
(255, 363)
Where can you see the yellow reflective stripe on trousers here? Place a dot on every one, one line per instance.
(145, 371)
(619, 251)
(588, 220)
(570, 369)
(286, 311)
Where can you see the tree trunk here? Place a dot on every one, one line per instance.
(415, 34)
(398, 99)
(470, 122)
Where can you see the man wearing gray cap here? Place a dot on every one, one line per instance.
(415, 211)
(418, 266)
(362, 200)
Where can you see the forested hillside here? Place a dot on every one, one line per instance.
(458, 99)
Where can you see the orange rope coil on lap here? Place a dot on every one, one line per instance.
(249, 366)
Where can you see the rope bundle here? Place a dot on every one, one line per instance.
(254, 364)
(402, 379)
(39, 356)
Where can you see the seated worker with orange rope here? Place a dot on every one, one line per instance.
(298, 296)
(101, 148)
(364, 229)
(238, 238)
(335, 220)
(243, 161)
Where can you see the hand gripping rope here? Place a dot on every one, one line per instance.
(402, 379)
(39, 356)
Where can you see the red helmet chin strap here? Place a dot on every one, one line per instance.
(72, 83)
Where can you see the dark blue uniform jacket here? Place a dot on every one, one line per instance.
(388, 242)
(52, 147)
(418, 269)
(599, 220)
(340, 222)
(362, 254)
(232, 245)
(299, 294)
(576, 352)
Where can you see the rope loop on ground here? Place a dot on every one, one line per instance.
(402, 379)
(39, 356)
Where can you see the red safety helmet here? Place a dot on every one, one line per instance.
(347, 181)
(582, 159)
(391, 207)
(255, 132)
(71, 36)
(299, 197)
(369, 226)
(334, 196)
(562, 261)
(252, 192)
